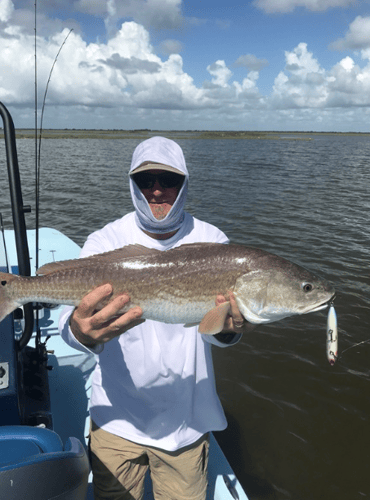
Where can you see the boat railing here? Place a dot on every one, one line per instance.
(18, 211)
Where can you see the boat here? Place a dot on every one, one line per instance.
(45, 384)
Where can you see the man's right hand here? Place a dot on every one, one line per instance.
(91, 326)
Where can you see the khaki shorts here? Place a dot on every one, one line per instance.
(119, 467)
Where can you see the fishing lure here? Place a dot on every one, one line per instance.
(332, 336)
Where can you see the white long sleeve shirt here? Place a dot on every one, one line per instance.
(154, 384)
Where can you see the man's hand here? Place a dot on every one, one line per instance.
(91, 326)
(235, 322)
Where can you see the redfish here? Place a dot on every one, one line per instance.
(178, 285)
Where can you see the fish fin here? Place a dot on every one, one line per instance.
(190, 325)
(7, 304)
(213, 322)
(128, 251)
(194, 246)
(55, 266)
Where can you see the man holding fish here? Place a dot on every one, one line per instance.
(153, 397)
(153, 400)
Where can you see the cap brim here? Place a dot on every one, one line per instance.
(156, 166)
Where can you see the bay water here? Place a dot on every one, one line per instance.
(298, 428)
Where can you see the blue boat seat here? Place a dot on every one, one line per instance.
(34, 465)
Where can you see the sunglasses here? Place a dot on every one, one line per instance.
(144, 180)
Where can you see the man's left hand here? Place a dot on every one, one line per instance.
(235, 322)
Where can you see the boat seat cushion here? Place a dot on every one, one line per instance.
(34, 465)
(21, 442)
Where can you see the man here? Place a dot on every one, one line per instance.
(153, 399)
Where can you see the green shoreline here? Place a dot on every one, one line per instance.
(176, 135)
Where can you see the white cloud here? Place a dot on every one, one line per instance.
(349, 85)
(284, 6)
(6, 10)
(123, 72)
(24, 18)
(347, 64)
(131, 65)
(158, 14)
(123, 83)
(305, 84)
(301, 62)
(251, 62)
(247, 92)
(170, 46)
(96, 8)
(220, 72)
(357, 37)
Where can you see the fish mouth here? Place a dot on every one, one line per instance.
(322, 305)
(318, 308)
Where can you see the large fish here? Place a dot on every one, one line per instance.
(178, 285)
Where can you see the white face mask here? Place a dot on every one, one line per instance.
(168, 152)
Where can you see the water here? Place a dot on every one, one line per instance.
(298, 428)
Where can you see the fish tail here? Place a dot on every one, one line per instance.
(7, 302)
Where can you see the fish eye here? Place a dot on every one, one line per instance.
(307, 287)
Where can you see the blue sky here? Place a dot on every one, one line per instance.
(195, 64)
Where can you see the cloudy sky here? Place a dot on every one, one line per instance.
(194, 64)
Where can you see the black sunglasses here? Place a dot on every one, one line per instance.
(145, 180)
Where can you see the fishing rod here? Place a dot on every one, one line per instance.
(38, 150)
(38, 139)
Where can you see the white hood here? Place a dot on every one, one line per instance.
(168, 152)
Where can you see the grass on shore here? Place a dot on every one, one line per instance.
(175, 135)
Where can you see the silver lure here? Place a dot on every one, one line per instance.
(332, 336)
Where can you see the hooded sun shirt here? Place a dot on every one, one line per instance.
(167, 152)
(153, 385)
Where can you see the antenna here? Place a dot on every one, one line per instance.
(36, 309)
(36, 150)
